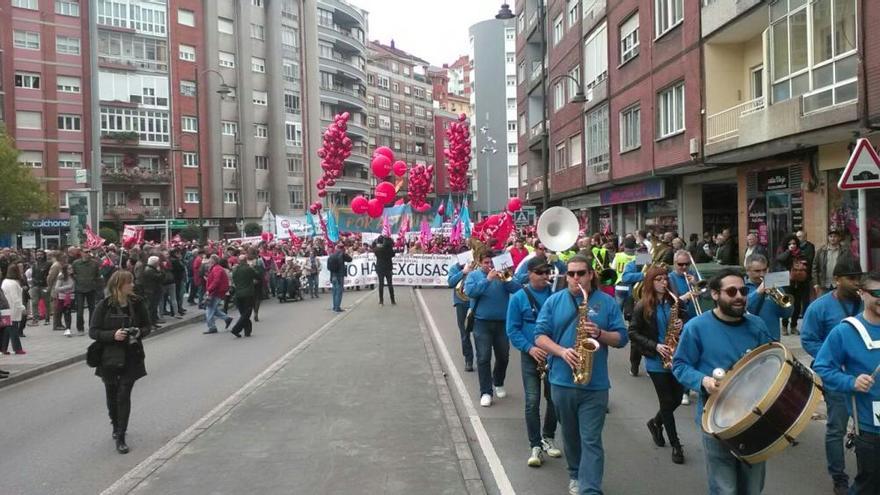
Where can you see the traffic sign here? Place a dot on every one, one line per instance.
(525, 216)
(81, 176)
(863, 168)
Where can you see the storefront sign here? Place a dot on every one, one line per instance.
(583, 202)
(632, 193)
(757, 209)
(28, 240)
(47, 223)
(773, 180)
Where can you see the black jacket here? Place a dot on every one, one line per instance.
(39, 273)
(342, 258)
(643, 332)
(384, 252)
(151, 282)
(109, 318)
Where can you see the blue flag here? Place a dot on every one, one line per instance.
(466, 220)
(332, 230)
(450, 207)
(311, 220)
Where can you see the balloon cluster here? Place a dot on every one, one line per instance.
(421, 183)
(333, 153)
(382, 165)
(458, 155)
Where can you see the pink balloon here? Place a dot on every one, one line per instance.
(385, 192)
(359, 205)
(322, 193)
(515, 204)
(400, 202)
(399, 168)
(384, 150)
(374, 208)
(381, 166)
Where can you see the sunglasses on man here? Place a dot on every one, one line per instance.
(576, 273)
(875, 293)
(541, 272)
(731, 291)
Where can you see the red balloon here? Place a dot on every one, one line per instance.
(515, 204)
(374, 208)
(384, 150)
(399, 168)
(381, 166)
(359, 205)
(322, 193)
(385, 192)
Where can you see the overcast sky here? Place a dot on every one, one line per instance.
(436, 31)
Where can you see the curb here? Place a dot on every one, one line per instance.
(43, 369)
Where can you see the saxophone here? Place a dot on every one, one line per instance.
(584, 345)
(672, 334)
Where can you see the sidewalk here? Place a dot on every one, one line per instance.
(49, 350)
(359, 407)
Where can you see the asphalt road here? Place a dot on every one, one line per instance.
(56, 434)
(633, 465)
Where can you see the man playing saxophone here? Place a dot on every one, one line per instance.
(656, 324)
(580, 408)
(759, 303)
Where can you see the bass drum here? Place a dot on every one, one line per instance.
(764, 403)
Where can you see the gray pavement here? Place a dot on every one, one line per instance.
(357, 411)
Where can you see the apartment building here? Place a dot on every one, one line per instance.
(444, 87)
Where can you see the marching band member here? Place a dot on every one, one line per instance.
(490, 296)
(681, 280)
(718, 339)
(632, 274)
(580, 408)
(822, 315)
(647, 332)
(457, 272)
(522, 314)
(849, 367)
(758, 302)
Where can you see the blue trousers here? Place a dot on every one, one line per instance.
(727, 474)
(212, 310)
(467, 349)
(338, 286)
(582, 416)
(532, 385)
(834, 432)
(490, 335)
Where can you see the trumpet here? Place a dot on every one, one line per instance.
(782, 299)
(697, 289)
(459, 287)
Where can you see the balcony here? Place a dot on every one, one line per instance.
(351, 183)
(341, 37)
(135, 176)
(137, 212)
(357, 130)
(359, 156)
(536, 133)
(725, 124)
(344, 96)
(346, 8)
(341, 64)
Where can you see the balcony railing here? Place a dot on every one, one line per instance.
(155, 212)
(135, 175)
(536, 71)
(725, 124)
(536, 130)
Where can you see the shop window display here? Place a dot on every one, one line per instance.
(843, 214)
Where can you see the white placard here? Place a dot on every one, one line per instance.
(502, 261)
(643, 259)
(28, 240)
(466, 258)
(777, 279)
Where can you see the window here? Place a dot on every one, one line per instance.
(296, 196)
(187, 53)
(291, 102)
(148, 19)
(596, 57)
(573, 14)
(152, 126)
(596, 142)
(756, 81)
(630, 128)
(191, 195)
(395, 87)
(26, 39)
(230, 197)
(186, 17)
(225, 26)
(288, 37)
(151, 199)
(289, 70)
(511, 80)
(67, 7)
(384, 102)
(667, 15)
(395, 106)
(560, 158)
(261, 162)
(383, 82)
(257, 3)
(69, 122)
(189, 124)
(509, 34)
(115, 198)
(28, 120)
(227, 60)
(68, 84)
(511, 125)
(190, 159)
(293, 133)
(574, 84)
(385, 122)
(558, 96)
(261, 131)
(325, 17)
(406, 90)
(511, 148)
(522, 124)
(28, 80)
(258, 32)
(670, 103)
(229, 128)
(261, 98)
(574, 150)
(629, 38)
(524, 174)
(520, 22)
(25, 4)
(187, 88)
(31, 159)
(511, 103)
(371, 121)
(419, 111)
(230, 162)
(262, 196)
(69, 160)
(558, 29)
(294, 165)
(510, 58)
(258, 65)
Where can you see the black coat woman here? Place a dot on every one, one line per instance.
(647, 334)
(120, 322)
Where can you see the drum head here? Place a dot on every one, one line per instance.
(746, 388)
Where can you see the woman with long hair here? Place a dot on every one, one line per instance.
(790, 258)
(647, 333)
(14, 294)
(119, 323)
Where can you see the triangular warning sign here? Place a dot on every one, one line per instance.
(863, 169)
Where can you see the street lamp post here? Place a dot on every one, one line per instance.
(223, 90)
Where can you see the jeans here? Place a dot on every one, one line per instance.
(467, 349)
(39, 294)
(212, 310)
(337, 283)
(313, 285)
(81, 298)
(727, 474)
(169, 294)
(490, 335)
(669, 393)
(532, 386)
(868, 460)
(179, 288)
(11, 333)
(245, 308)
(383, 279)
(582, 416)
(118, 393)
(834, 433)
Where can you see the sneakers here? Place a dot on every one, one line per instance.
(500, 392)
(677, 454)
(686, 399)
(574, 488)
(469, 367)
(841, 488)
(550, 448)
(536, 458)
(20, 352)
(68, 333)
(486, 400)
(656, 433)
(633, 370)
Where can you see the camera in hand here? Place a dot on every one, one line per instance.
(133, 334)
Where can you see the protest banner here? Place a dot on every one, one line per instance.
(416, 269)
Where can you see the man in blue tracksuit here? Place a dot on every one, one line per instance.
(759, 303)
(847, 366)
(522, 314)
(679, 278)
(489, 296)
(718, 339)
(457, 272)
(522, 271)
(822, 315)
(580, 407)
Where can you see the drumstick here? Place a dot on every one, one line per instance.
(876, 370)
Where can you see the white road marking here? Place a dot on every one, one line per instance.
(498, 472)
(133, 478)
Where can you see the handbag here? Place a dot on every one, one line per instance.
(471, 317)
(94, 354)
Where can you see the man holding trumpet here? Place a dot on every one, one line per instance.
(761, 301)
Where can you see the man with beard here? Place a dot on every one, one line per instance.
(718, 339)
(822, 315)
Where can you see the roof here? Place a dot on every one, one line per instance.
(385, 51)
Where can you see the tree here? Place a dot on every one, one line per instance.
(253, 229)
(109, 235)
(21, 194)
(190, 233)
